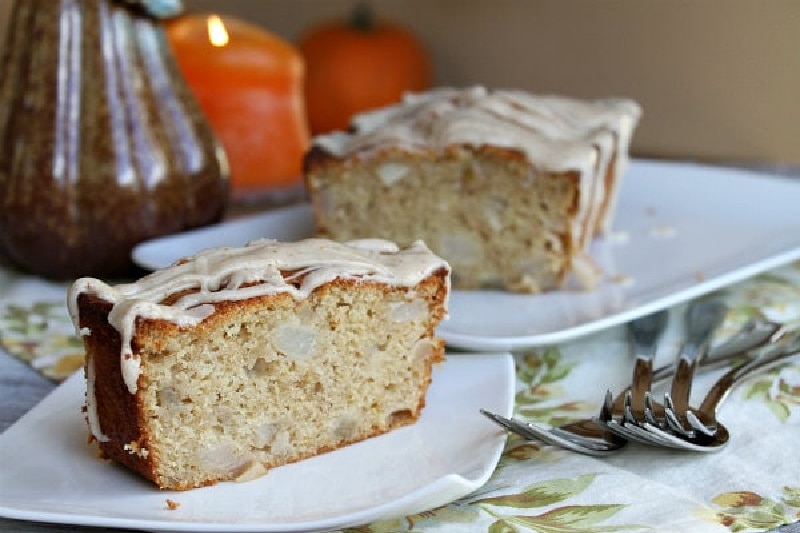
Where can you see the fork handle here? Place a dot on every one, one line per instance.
(702, 319)
(642, 380)
(720, 390)
(684, 375)
(714, 359)
(644, 336)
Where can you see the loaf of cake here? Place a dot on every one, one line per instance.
(238, 360)
(509, 187)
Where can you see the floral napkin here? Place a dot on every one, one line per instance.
(751, 485)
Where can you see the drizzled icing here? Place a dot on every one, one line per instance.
(221, 274)
(553, 131)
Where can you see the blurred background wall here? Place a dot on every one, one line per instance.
(719, 80)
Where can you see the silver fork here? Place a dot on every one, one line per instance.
(784, 344)
(584, 436)
(702, 319)
(705, 416)
(644, 335)
(590, 437)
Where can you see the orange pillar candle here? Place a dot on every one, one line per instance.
(249, 84)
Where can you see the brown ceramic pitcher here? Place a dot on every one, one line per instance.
(101, 142)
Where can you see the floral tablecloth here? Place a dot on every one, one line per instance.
(752, 485)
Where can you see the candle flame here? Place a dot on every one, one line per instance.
(217, 34)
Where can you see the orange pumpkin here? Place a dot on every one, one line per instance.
(359, 65)
(249, 84)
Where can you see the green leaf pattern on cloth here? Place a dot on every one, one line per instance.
(748, 511)
(775, 295)
(542, 373)
(42, 335)
(776, 393)
(561, 518)
(513, 513)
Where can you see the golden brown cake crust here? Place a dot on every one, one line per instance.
(118, 409)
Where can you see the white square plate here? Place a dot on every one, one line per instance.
(681, 230)
(50, 474)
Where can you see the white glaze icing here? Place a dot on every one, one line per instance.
(552, 130)
(91, 405)
(221, 274)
